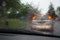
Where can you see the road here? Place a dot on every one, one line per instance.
(57, 28)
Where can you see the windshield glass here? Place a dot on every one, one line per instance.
(40, 16)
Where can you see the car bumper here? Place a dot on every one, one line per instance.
(42, 30)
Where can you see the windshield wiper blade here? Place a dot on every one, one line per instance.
(26, 32)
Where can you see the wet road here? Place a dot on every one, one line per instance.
(57, 28)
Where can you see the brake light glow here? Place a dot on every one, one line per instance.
(49, 17)
(33, 18)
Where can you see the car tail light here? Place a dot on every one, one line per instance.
(51, 28)
(33, 17)
(49, 17)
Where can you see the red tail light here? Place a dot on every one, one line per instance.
(33, 17)
(51, 28)
(49, 17)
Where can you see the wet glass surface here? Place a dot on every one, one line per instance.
(32, 15)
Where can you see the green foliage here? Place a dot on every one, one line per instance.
(13, 23)
(13, 6)
(58, 11)
(52, 11)
(58, 8)
(16, 23)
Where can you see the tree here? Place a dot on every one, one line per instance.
(51, 11)
(58, 11)
(9, 5)
(13, 6)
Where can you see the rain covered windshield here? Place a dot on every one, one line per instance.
(40, 16)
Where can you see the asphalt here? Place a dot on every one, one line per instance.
(57, 28)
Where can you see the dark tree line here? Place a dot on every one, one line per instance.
(51, 11)
(9, 8)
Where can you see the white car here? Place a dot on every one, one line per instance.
(42, 25)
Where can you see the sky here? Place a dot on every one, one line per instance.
(42, 4)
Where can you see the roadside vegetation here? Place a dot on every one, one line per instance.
(12, 11)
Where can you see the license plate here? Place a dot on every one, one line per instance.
(41, 22)
(43, 27)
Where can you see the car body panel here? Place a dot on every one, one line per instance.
(42, 25)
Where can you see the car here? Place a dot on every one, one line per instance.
(57, 19)
(44, 26)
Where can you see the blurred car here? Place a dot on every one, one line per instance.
(42, 26)
(57, 19)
